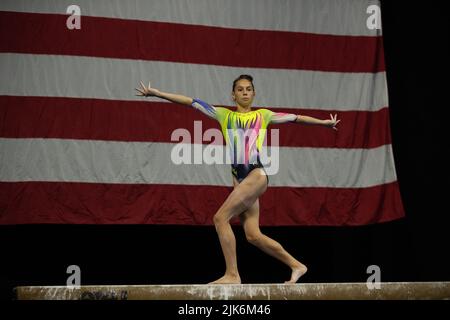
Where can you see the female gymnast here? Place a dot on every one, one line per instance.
(249, 177)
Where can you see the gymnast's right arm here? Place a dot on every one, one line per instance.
(200, 105)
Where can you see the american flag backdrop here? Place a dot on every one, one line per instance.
(77, 145)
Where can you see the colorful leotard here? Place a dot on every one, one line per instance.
(244, 133)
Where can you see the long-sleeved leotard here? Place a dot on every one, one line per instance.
(244, 133)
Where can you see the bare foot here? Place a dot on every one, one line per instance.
(297, 272)
(226, 279)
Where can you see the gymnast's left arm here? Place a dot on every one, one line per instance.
(330, 123)
(280, 117)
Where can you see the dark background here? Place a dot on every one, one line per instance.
(410, 249)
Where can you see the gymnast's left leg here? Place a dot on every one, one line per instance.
(250, 221)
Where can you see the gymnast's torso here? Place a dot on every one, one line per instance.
(244, 134)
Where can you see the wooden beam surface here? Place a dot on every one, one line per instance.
(304, 291)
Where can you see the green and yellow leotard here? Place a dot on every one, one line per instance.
(244, 133)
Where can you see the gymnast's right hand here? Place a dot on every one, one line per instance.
(147, 91)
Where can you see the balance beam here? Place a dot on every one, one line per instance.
(303, 291)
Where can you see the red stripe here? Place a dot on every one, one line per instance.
(95, 119)
(132, 39)
(84, 203)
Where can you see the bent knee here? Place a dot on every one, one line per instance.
(254, 237)
(219, 219)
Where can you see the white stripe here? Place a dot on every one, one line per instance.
(105, 78)
(141, 162)
(343, 17)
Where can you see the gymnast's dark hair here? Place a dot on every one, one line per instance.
(243, 76)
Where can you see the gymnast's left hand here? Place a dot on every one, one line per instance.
(332, 122)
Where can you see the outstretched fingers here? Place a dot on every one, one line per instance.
(334, 120)
(140, 91)
(143, 90)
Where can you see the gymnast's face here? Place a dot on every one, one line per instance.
(243, 93)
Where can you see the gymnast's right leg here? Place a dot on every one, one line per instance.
(242, 197)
